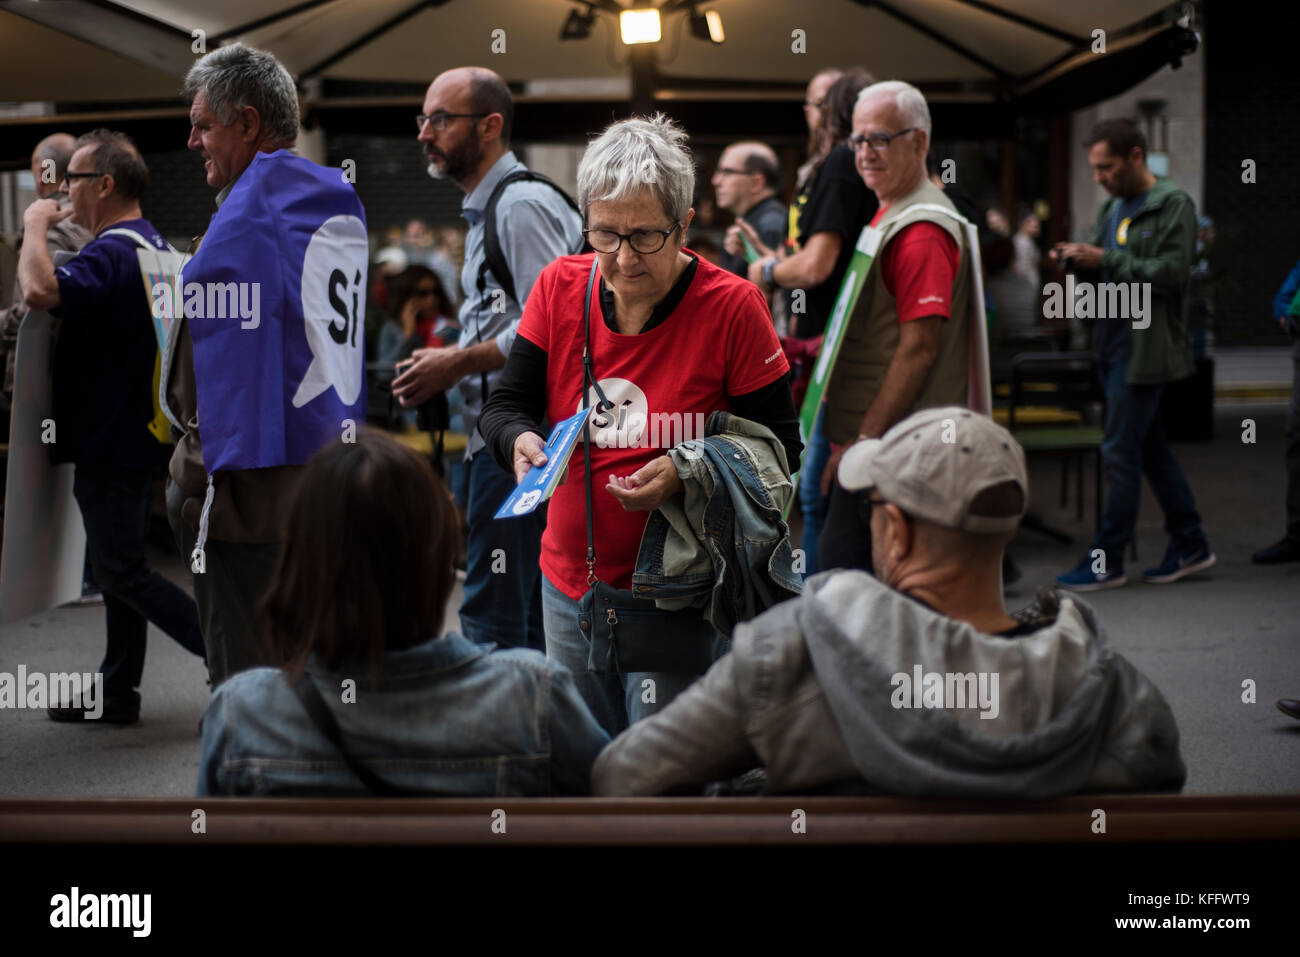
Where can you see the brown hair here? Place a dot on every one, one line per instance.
(1120, 136)
(368, 563)
(405, 284)
(115, 155)
(841, 98)
(488, 93)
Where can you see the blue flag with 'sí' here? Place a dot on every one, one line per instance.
(275, 301)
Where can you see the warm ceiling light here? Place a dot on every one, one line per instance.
(715, 26)
(707, 25)
(640, 26)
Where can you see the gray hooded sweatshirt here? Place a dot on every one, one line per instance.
(855, 685)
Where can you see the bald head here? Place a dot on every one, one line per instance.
(50, 162)
(755, 157)
(748, 172)
(481, 91)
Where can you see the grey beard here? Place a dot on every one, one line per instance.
(434, 172)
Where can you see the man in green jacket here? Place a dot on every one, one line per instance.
(1144, 239)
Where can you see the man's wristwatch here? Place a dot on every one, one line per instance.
(769, 266)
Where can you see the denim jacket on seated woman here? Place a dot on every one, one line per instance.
(448, 717)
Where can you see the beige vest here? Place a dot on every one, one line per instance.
(872, 334)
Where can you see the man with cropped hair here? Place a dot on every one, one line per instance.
(1145, 236)
(103, 404)
(746, 182)
(49, 164)
(519, 222)
(907, 341)
(916, 681)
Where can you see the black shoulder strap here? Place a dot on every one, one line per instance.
(589, 384)
(493, 258)
(323, 718)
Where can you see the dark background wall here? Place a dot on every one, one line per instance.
(179, 202)
(1252, 92)
(390, 179)
(392, 182)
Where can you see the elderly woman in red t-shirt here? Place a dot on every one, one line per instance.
(673, 338)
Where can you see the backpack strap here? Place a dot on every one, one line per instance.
(140, 240)
(163, 419)
(494, 258)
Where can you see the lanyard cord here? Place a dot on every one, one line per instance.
(588, 383)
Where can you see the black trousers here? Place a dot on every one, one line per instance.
(1293, 457)
(115, 505)
(846, 536)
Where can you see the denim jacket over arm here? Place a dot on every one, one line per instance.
(721, 545)
(448, 717)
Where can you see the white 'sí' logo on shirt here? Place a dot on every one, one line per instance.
(621, 423)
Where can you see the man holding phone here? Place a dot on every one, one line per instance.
(1145, 233)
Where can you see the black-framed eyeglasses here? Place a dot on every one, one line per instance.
(70, 176)
(644, 241)
(442, 118)
(728, 171)
(816, 104)
(877, 141)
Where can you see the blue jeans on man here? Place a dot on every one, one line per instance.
(812, 503)
(1135, 445)
(503, 600)
(116, 505)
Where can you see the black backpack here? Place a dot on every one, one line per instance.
(493, 258)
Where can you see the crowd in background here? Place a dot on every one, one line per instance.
(332, 560)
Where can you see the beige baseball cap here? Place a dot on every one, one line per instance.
(935, 462)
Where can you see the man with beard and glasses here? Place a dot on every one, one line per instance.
(465, 133)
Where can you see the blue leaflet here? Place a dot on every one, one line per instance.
(540, 483)
(275, 301)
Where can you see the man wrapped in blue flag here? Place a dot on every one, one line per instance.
(273, 299)
(266, 352)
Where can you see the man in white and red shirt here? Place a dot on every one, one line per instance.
(907, 343)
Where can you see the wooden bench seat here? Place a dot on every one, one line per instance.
(652, 821)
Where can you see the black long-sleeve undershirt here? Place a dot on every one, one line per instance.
(518, 404)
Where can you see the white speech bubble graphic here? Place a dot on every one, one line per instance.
(333, 302)
(527, 501)
(623, 424)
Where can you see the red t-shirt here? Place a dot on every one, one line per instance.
(919, 267)
(717, 342)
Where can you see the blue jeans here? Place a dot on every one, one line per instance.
(615, 700)
(1134, 444)
(812, 503)
(116, 505)
(503, 602)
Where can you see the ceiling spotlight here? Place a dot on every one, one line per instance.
(640, 25)
(707, 25)
(579, 24)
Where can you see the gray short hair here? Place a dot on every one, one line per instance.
(233, 77)
(909, 100)
(637, 154)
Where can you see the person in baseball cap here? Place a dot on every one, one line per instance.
(948, 488)
(858, 682)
